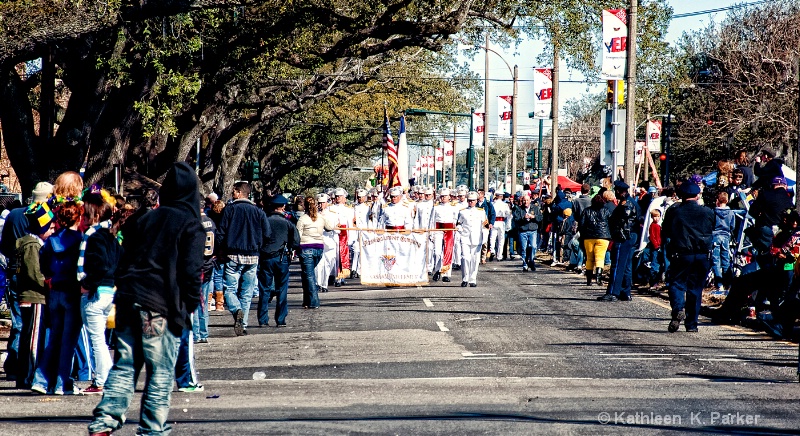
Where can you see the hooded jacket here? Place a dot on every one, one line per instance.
(161, 263)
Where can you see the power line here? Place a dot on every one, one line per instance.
(711, 11)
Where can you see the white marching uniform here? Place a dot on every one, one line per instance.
(422, 220)
(396, 215)
(361, 212)
(443, 213)
(497, 237)
(460, 205)
(330, 253)
(470, 225)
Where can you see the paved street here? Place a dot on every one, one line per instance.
(523, 353)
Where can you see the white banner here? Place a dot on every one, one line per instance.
(508, 186)
(448, 153)
(504, 112)
(439, 158)
(615, 43)
(477, 126)
(543, 88)
(654, 136)
(639, 152)
(415, 172)
(393, 258)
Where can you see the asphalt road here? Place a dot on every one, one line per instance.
(523, 353)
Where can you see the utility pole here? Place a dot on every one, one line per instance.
(486, 119)
(797, 150)
(454, 156)
(514, 111)
(554, 128)
(630, 112)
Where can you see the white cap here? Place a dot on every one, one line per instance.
(212, 196)
(373, 191)
(340, 192)
(361, 192)
(444, 191)
(428, 191)
(322, 198)
(462, 191)
(396, 191)
(472, 196)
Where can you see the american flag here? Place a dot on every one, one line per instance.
(391, 150)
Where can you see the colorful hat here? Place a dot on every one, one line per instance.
(40, 216)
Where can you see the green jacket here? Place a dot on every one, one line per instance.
(30, 280)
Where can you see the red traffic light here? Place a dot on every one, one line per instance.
(662, 157)
(710, 122)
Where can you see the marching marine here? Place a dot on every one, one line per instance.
(470, 225)
(444, 217)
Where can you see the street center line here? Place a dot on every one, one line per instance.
(427, 302)
(442, 327)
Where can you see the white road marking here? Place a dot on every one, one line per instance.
(442, 327)
(471, 354)
(427, 302)
(477, 318)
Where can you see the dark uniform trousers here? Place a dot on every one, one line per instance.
(687, 276)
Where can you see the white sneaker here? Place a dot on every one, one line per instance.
(499, 258)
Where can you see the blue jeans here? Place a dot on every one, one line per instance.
(12, 360)
(200, 317)
(54, 368)
(273, 277)
(721, 256)
(621, 277)
(144, 335)
(95, 314)
(219, 276)
(512, 238)
(687, 278)
(309, 258)
(236, 296)
(527, 242)
(185, 374)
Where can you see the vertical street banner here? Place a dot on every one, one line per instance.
(543, 88)
(615, 43)
(448, 153)
(402, 153)
(654, 136)
(439, 158)
(393, 258)
(508, 187)
(504, 112)
(478, 125)
(417, 170)
(430, 160)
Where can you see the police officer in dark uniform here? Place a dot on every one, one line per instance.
(687, 229)
(622, 224)
(274, 260)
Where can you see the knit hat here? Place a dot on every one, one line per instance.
(42, 191)
(40, 217)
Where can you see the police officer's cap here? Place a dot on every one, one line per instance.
(619, 184)
(688, 190)
(279, 199)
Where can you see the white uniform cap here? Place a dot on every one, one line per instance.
(396, 191)
(373, 191)
(340, 192)
(361, 192)
(444, 191)
(416, 188)
(429, 191)
(462, 191)
(472, 196)
(322, 198)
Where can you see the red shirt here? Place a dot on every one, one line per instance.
(655, 235)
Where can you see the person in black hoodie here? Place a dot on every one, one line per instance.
(158, 287)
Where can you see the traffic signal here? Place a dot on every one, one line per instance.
(252, 170)
(662, 157)
(620, 88)
(531, 159)
(256, 170)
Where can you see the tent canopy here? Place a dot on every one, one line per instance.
(567, 183)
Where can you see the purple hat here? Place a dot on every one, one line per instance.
(778, 180)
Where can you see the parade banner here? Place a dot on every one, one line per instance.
(654, 136)
(615, 43)
(477, 126)
(504, 111)
(448, 152)
(392, 258)
(439, 158)
(402, 153)
(543, 88)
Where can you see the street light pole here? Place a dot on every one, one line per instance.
(486, 119)
(514, 110)
(630, 106)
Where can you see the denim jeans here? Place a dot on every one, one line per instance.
(309, 258)
(142, 334)
(219, 276)
(185, 374)
(12, 360)
(721, 256)
(200, 316)
(95, 314)
(54, 368)
(239, 296)
(621, 278)
(527, 248)
(273, 277)
(687, 278)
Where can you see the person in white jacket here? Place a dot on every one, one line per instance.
(470, 225)
(330, 239)
(502, 219)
